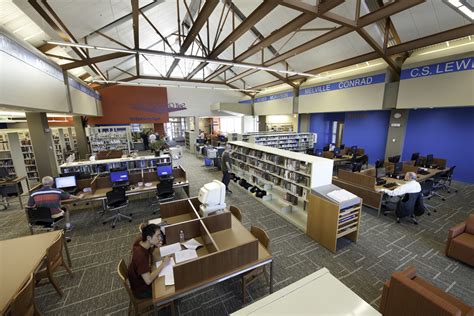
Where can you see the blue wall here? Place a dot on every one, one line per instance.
(367, 130)
(321, 123)
(445, 133)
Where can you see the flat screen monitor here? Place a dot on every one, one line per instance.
(379, 173)
(337, 150)
(394, 159)
(354, 149)
(379, 164)
(65, 182)
(164, 170)
(415, 156)
(429, 160)
(398, 168)
(118, 176)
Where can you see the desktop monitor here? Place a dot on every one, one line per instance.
(394, 159)
(326, 148)
(379, 164)
(415, 156)
(65, 182)
(164, 170)
(342, 146)
(379, 173)
(337, 150)
(429, 160)
(398, 168)
(118, 176)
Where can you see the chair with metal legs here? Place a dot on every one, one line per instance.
(427, 193)
(116, 200)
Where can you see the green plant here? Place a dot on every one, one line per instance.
(157, 145)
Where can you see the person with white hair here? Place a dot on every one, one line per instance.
(50, 197)
(411, 186)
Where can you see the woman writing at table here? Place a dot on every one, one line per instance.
(139, 272)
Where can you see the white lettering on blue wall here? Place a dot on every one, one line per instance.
(464, 64)
(346, 84)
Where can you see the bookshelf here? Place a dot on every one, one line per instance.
(58, 149)
(286, 176)
(137, 164)
(287, 141)
(6, 159)
(109, 138)
(28, 157)
(329, 220)
(190, 140)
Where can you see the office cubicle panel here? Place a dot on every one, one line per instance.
(218, 222)
(209, 242)
(357, 178)
(191, 229)
(177, 208)
(369, 197)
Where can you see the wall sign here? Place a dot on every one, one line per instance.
(346, 84)
(73, 83)
(463, 64)
(266, 98)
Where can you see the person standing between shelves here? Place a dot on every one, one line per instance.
(50, 197)
(139, 271)
(226, 167)
(144, 137)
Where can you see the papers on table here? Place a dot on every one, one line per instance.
(185, 255)
(155, 221)
(170, 249)
(341, 195)
(192, 244)
(167, 271)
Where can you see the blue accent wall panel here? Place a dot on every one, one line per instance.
(321, 124)
(367, 130)
(445, 133)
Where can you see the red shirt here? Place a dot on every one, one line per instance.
(140, 264)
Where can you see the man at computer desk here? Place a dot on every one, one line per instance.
(47, 196)
(411, 186)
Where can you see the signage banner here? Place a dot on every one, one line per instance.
(463, 64)
(73, 83)
(346, 84)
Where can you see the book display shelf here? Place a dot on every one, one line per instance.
(28, 157)
(110, 138)
(6, 159)
(286, 177)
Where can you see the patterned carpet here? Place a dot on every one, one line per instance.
(383, 247)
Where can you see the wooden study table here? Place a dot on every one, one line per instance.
(17, 181)
(319, 293)
(229, 250)
(19, 257)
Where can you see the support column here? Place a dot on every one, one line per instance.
(262, 123)
(396, 132)
(81, 138)
(304, 123)
(43, 145)
(296, 109)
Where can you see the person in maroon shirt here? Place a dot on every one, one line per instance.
(139, 270)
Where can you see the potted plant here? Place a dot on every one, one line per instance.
(157, 147)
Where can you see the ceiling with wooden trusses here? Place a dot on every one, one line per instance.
(242, 44)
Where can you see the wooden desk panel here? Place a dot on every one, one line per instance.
(19, 257)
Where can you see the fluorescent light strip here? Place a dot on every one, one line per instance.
(126, 83)
(455, 3)
(445, 48)
(467, 12)
(181, 57)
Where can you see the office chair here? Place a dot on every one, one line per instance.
(438, 185)
(164, 193)
(116, 200)
(427, 193)
(446, 178)
(40, 218)
(405, 207)
(356, 166)
(379, 164)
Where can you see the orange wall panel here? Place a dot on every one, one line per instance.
(131, 104)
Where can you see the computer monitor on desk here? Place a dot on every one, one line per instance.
(164, 171)
(394, 159)
(380, 173)
(119, 178)
(398, 170)
(429, 160)
(337, 152)
(67, 183)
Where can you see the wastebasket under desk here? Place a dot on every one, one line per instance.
(328, 220)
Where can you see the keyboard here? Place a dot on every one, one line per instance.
(390, 185)
(381, 181)
(423, 172)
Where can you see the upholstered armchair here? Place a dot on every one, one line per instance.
(460, 244)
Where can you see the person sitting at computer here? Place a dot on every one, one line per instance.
(139, 270)
(393, 196)
(47, 196)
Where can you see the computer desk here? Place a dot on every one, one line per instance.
(19, 258)
(229, 250)
(17, 182)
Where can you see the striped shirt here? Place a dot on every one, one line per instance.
(48, 197)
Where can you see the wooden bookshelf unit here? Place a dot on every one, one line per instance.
(286, 176)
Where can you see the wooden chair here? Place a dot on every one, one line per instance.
(53, 259)
(139, 305)
(236, 212)
(249, 277)
(24, 301)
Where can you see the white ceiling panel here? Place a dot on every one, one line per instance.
(425, 19)
(342, 48)
(275, 19)
(346, 9)
(258, 78)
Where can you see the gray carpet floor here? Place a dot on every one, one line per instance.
(383, 247)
